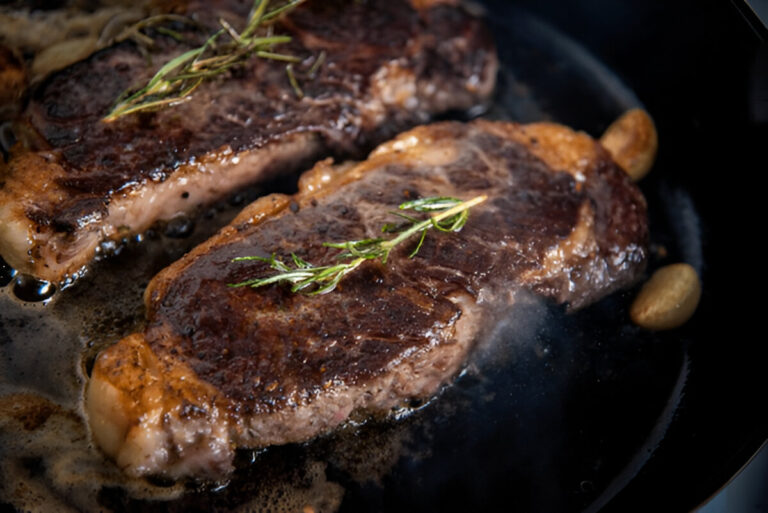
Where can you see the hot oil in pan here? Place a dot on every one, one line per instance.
(550, 411)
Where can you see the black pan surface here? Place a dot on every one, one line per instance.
(561, 411)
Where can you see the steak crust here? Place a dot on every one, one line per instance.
(74, 180)
(219, 367)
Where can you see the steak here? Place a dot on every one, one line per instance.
(219, 367)
(74, 180)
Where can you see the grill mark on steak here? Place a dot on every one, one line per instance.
(266, 366)
(387, 67)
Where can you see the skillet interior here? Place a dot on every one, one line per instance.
(567, 412)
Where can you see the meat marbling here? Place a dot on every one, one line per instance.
(74, 181)
(220, 367)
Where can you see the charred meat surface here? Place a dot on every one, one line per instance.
(74, 180)
(219, 367)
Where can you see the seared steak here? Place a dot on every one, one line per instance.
(74, 180)
(219, 367)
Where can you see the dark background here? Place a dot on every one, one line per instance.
(701, 69)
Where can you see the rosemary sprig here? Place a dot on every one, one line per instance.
(451, 216)
(175, 81)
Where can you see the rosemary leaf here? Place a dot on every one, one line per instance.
(449, 215)
(294, 83)
(277, 56)
(316, 66)
(255, 17)
(280, 10)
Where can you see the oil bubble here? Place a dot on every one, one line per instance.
(180, 227)
(32, 290)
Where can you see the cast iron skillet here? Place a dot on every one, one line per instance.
(583, 411)
(621, 420)
(701, 69)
